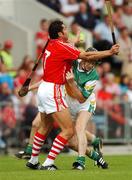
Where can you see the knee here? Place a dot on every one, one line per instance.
(79, 129)
(71, 132)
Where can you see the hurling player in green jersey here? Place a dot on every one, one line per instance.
(82, 103)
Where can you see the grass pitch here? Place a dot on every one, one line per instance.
(120, 168)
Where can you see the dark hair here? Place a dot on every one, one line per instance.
(117, 7)
(123, 76)
(90, 49)
(74, 22)
(54, 28)
(43, 21)
(122, 28)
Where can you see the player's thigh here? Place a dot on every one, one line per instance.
(73, 105)
(82, 120)
(63, 118)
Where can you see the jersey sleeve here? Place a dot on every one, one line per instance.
(88, 88)
(69, 52)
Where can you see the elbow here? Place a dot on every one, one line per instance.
(81, 100)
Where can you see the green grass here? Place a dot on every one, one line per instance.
(14, 169)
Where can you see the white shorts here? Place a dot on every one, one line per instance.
(51, 97)
(75, 107)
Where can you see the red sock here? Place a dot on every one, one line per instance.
(37, 143)
(57, 146)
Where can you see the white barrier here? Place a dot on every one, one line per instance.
(20, 36)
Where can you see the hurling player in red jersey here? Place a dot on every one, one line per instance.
(51, 95)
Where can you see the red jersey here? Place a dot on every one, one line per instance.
(56, 60)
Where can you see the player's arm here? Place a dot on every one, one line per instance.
(34, 86)
(73, 87)
(97, 55)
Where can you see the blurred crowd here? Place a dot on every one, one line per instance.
(115, 72)
(115, 85)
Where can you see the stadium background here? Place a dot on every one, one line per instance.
(22, 36)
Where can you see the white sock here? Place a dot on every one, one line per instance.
(48, 162)
(33, 160)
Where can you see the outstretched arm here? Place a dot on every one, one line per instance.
(97, 55)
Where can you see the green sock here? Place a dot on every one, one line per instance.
(81, 160)
(94, 155)
(29, 149)
(95, 141)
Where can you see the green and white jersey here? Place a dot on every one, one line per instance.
(86, 81)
